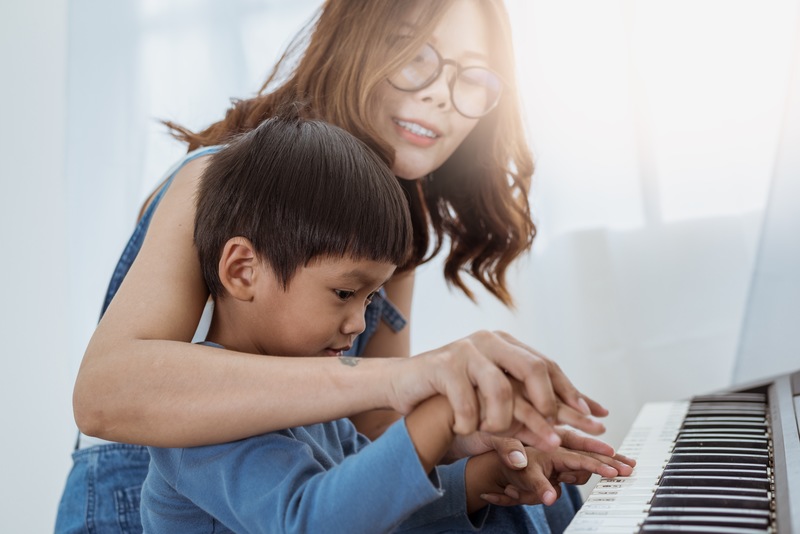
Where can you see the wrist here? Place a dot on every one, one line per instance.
(371, 376)
(430, 427)
(482, 474)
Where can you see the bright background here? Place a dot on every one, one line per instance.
(655, 126)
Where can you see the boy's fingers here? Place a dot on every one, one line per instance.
(499, 499)
(511, 451)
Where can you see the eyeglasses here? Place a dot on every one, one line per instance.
(474, 91)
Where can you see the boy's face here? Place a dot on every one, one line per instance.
(319, 314)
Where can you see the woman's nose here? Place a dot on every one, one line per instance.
(438, 92)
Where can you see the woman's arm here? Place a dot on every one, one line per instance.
(141, 380)
(385, 342)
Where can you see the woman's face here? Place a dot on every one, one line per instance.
(422, 126)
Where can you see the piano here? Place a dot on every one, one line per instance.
(727, 463)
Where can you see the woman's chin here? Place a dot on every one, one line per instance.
(411, 172)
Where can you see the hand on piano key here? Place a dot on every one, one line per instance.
(490, 480)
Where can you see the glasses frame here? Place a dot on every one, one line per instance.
(442, 62)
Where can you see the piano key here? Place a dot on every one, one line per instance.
(716, 520)
(709, 499)
(721, 481)
(697, 529)
(707, 510)
(717, 490)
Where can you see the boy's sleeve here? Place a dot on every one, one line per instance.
(274, 483)
(450, 512)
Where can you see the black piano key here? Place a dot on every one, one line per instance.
(715, 441)
(712, 500)
(707, 510)
(736, 451)
(744, 466)
(679, 457)
(716, 481)
(716, 490)
(731, 397)
(709, 520)
(699, 529)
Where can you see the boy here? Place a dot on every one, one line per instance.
(298, 226)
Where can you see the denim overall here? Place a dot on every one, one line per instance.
(102, 492)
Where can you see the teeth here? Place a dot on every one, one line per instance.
(416, 129)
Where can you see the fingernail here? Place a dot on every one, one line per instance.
(584, 407)
(517, 459)
(549, 497)
(488, 498)
(567, 479)
(554, 440)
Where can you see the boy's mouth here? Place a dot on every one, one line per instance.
(336, 351)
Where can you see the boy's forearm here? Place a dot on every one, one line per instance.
(430, 427)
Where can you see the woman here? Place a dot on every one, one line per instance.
(430, 87)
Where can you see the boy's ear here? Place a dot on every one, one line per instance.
(238, 268)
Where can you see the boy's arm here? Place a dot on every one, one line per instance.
(430, 427)
(297, 481)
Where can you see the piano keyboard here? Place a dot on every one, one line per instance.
(704, 465)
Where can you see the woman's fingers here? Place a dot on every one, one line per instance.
(535, 430)
(493, 382)
(603, 451)
(571, 461)
(561, 385)
(570, 416)
(578, 442)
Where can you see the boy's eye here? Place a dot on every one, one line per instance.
(344, 294)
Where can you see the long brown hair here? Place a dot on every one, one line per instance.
(477, 201)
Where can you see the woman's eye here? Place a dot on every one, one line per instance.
(344, 294)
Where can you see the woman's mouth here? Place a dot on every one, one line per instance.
(416, 129)
(415, 133)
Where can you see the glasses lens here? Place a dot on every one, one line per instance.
(418, 72)
(476, 91)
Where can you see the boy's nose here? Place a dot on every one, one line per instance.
(354, 323)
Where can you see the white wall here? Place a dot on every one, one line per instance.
(36, 372)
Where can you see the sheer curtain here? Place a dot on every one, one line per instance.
(654, 127)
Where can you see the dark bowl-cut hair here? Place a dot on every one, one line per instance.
(299, 189)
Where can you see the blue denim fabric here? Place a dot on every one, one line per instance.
(103, 489)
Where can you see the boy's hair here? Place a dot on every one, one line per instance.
(299, 189)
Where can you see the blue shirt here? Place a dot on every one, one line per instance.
(323, 478)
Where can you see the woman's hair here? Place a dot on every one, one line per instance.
(477, 202)
(299, 189)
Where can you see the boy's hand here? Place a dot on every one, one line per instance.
(512, 451)
(488, 480)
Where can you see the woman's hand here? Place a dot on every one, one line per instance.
(593, 447)
(475, 373)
